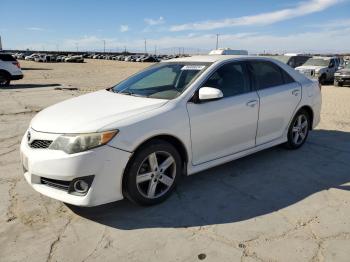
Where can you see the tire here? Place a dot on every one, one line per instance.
(4, 79)
(145, 182)
(336, 83)
(298, 130)
(322, 80)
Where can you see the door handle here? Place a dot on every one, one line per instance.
(295, 92)
(252, 103)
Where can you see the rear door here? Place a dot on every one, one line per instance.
(279, 96)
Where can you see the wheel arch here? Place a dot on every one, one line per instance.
(5, 72)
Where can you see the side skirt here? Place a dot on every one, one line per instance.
(198, 168)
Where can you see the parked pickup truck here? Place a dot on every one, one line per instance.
(321, 68)
(342, 76)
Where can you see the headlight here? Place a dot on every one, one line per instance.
(75, 143)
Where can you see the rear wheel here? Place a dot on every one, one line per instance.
(298, 130)
(336, 83)
(152, 174)
(4, 79)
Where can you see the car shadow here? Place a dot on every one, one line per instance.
(25, 86)
(243, 189)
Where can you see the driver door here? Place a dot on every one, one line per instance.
(226, 126)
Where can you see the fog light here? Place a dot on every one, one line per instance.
(80, 186)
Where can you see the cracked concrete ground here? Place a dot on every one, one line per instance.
(276, 205)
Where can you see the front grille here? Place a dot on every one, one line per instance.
(59, 184)
(40, 143)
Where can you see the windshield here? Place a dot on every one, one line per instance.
(282, 58)
(163, 81)
(317, 62)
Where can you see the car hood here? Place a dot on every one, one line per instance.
(310, 67)
(91, 112)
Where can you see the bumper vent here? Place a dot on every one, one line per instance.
(59, 184)
(42, 144)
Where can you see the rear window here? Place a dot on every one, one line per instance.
(7, 57)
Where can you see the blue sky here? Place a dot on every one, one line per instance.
(255, 25)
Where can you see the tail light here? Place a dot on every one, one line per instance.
(17, 64)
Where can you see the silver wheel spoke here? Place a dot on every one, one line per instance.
(295, 129)
(299, 120)
(167, 162)
(152, 188)
(143, 177)
(304, 124)
(296, 137)
(166, 180)
(153, 162)
(302, 135)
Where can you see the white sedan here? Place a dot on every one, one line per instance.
(175, 118)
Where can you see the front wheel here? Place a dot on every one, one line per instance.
(298, 130)
(323, 79)
(152, 174)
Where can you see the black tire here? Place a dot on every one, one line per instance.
(292, 143)
(134, 191)
(4, 79)
(336, 83)
(323, 79)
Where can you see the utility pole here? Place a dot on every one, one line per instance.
(145, 46)
(104, 46)
(0, 44)
(77, 46)
(217, 41)
(155, 50)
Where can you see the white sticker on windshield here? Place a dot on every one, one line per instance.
(193, 67)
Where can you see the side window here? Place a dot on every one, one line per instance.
(266, 74)
(232, 79)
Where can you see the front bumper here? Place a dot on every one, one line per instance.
(342, 78)
(105, 163)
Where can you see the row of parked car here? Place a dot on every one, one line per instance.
(323, 69)
(46, 58)
(133, 58)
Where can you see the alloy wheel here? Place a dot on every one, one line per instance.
(156, 174)
(300, 129)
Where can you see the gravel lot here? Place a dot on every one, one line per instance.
(276, 205)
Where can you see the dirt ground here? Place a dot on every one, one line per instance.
(276, 205)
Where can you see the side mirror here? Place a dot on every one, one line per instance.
(209, 93)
